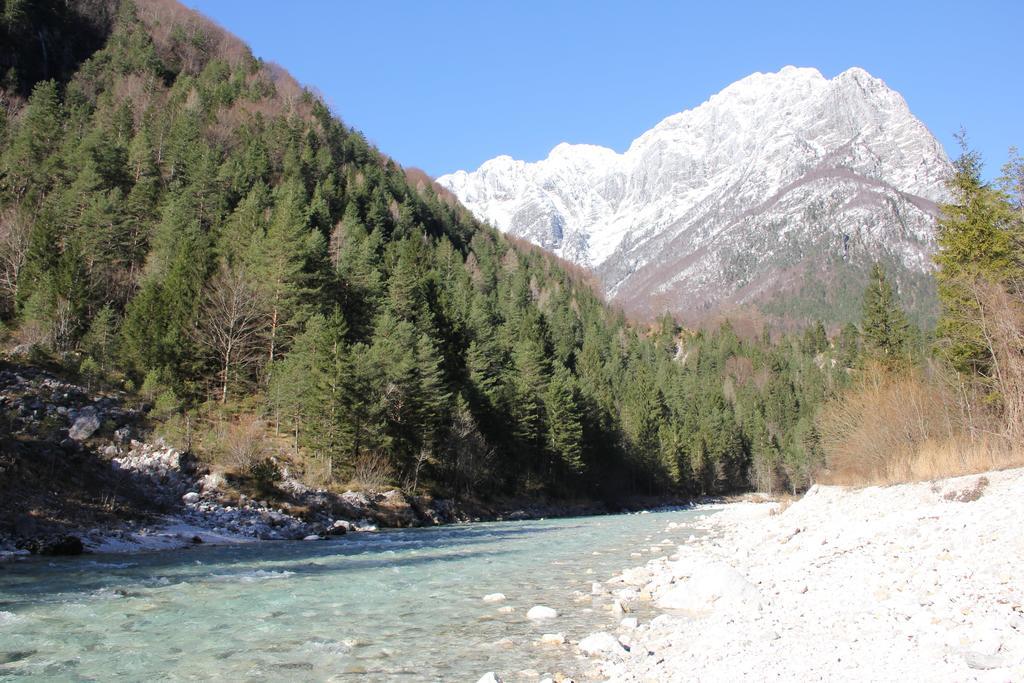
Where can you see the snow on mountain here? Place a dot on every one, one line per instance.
(777, 178)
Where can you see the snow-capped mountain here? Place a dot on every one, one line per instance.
(777, 179)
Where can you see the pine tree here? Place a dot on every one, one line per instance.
(848, 346)
(100, 342)
(294, 392)
(565, 427)
(431, 402)
(979, 237)
(287, 260)
(815, 339)
(356, 254)
(30, 163)
(884, 326)
(642, 414)
(528, 384)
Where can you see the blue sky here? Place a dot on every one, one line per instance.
(445, 85)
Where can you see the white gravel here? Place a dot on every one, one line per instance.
(909, 582)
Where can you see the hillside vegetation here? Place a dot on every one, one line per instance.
(183, 219)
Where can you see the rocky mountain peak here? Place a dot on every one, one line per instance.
(730, 203)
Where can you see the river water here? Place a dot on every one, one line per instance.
(398, 605)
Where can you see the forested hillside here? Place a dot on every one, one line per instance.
(185, 218)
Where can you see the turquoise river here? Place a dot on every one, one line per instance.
(397, 605)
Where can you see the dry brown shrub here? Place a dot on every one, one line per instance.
(784, 503)
(956, 457)
(909, 427)
(240, 445)
(372, 471)
(140, 91)
(317, 472)
(187, 36)
(740, 368)
(419, 179)
(1001, 320)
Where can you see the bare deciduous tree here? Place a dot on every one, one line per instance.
(13, 249)
(231, 324)
(1001, 318)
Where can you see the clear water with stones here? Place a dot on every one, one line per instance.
(397, 605)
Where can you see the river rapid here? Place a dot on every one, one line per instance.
(396, 605)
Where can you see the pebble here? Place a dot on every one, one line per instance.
(540, 612)
(552, 639)
(601, 644)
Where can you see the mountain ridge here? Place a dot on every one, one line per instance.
(849, 144)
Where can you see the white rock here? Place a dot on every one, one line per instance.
(601, 644)
(629, 623)
(85, 425)
(489, 677)
(311, 537)
(540, 612)
(552, 639)
(494, 597)
(212, 481)
(190, 498)
(707, 586)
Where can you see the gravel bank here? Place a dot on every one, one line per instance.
(916, 582)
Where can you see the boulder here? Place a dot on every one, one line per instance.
(85, 425)
(704, 586)
(190, 498)
(212, 482)
(540, 612)
(601, 644)
(552, 639)
(339, 528)
(395, 510)
(494, 597)
(489, 677)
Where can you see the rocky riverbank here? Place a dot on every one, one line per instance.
(79, 472)
(914, 582)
